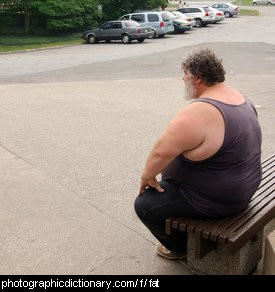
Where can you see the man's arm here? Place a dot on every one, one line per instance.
(182, 133)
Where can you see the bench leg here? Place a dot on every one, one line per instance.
(220, 262)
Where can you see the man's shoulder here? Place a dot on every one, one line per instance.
(198, 112)
(196, 106)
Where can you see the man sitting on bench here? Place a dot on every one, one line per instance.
(209, 156)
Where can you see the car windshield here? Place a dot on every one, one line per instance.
(178, 14)
(167, 16)
(207, 9)
(131, 23)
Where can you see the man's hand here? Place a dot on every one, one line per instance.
(144, 183)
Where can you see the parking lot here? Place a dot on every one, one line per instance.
(76, 126)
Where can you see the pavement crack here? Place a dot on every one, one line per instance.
(103, 263)
(16, 155)
(260, 93)
(118, 221)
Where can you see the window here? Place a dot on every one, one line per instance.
(215, 5)
(153, 17)
(106, 25)
(116, 25)
(138, 17)
(224, 6)
(185, 10)
(189, 10)
(125, 17)
(131, 23)
(196, 10)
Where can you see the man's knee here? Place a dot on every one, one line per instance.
(139, 206)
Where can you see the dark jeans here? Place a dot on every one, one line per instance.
(153, 208)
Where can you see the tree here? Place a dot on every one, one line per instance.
(64, 15)
(21, 7)
(113, 9)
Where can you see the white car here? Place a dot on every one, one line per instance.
(202, 16)
(184, 17)
(263, 2)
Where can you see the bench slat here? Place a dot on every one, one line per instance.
(271, 158)
(228, 221)
(212, 230)
(243, 235)
(249, 216)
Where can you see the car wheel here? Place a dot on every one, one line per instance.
(269, 3)
(141, 40)
(227, 14)
(176, 29)
(198, 22)
(126, 39)
(153, 36)
(92, 39)
(161, 35)
(107, 41)
(254, 3)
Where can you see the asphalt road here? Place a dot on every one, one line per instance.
(76, 125)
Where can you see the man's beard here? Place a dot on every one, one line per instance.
(189, 90)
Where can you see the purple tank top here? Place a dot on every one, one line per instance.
(224, 183)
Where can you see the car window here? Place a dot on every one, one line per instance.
(125, 17)
(116, 25)
(206, 9)
(153, 17)
(185, 10)
(138, 17)
(106, 25)
(196, 10)
(167, 16)
(215, 5)
(131, 23)
(224, 6)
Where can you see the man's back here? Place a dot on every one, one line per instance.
(230, 174)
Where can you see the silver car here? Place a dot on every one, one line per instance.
(219, 15)
(118, 30)
(228, 9)
(161, 21)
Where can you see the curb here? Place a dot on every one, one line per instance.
(40, 49)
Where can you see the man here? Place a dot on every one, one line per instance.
(209, 156)
(180, 5)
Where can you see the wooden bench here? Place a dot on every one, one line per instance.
(230, 234)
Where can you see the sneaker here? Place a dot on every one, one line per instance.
(168, 254)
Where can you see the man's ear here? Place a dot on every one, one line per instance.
(197, 80)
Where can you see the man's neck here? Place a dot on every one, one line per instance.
(203, 89)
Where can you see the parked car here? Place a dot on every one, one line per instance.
(180, 15)
(202, 16)
(219, 15)
(263, 2)
(118, 30)
(161, 21)
(180, 25)
(228, 9)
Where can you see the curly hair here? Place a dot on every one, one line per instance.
(205, 65)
